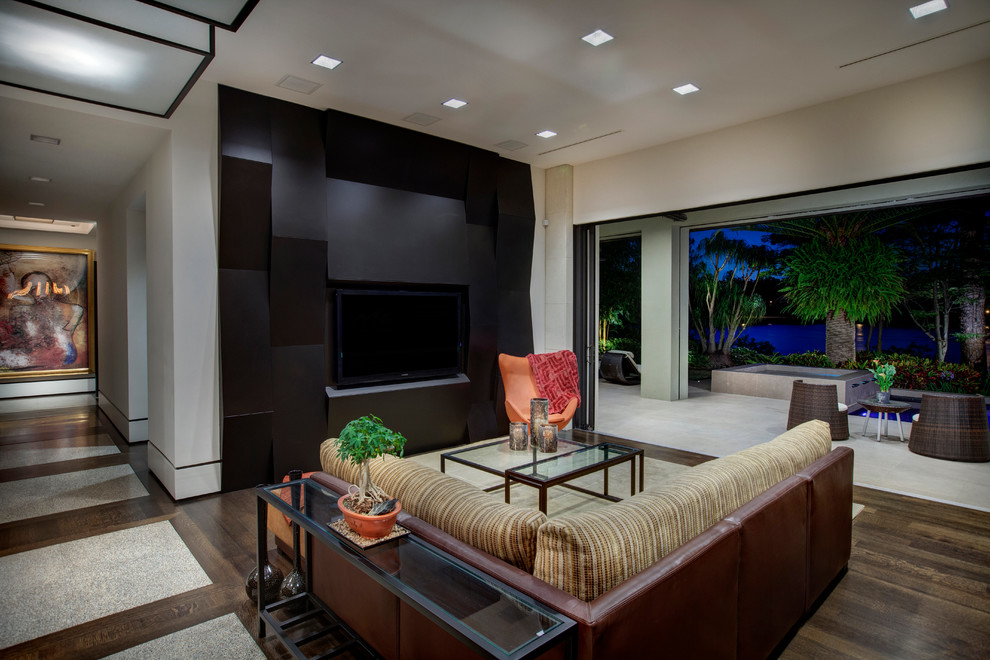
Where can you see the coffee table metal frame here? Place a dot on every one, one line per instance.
(884, 411)
(559, 629)
(528, 470)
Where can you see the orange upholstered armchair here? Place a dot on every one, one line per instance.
(520, 387)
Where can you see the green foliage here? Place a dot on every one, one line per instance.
(621, 344)
(619, 285)
(765, 347)
(809, 359)
(724, 274)
(368, 438)
(860, 278)
(923, 373)
(697, 359)
(883, 374)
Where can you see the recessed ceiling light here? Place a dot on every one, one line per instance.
(455, 103)
(44, 139)
(686, 89)
(597, 38)
(546, 134)
(326, 62)
(926, 8)
(36, 203)
(40, 179)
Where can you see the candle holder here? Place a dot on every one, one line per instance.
(548, 438)
(539, 414)
(518, 436)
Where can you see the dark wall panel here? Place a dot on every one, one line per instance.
(515, 325)
(383, 235)
(298, 202)
(298, 291)
(244, 125)
(247, 451)
(300, 418)
(482, 186)
(245, 213)
(430, 417)
(400, 207)
(514, 252)
(515, 189)
(367, 151)
(246, 376)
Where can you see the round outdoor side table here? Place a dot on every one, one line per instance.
(884, 411)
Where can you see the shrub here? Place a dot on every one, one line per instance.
(743, 355)
(923, 373)
(764, 347)
(809, 359)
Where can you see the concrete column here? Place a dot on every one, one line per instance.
(559, 258)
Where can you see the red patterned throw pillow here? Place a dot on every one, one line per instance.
(556, 376)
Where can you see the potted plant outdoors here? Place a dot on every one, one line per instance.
(883, 374)
(367, 509)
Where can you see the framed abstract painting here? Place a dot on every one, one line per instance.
(46, 312)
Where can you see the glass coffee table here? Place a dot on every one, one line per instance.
(534, 468)
(490, 617)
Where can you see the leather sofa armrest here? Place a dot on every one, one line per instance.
(830, 486)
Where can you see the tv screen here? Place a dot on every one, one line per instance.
(393, 336)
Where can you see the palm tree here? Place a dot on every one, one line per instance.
(838, 232)
(843, 284)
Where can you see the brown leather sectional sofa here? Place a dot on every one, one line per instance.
(733, 591)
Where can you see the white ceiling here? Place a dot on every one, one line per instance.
(522, 68)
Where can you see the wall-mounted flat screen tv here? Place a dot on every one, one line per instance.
(386, 336)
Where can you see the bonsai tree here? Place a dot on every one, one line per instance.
(362, 440)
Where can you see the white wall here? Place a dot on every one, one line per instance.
(49, 239)
(176, 225)
(183, 369)
(927, 124)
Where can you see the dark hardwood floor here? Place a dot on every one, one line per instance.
(918, 584)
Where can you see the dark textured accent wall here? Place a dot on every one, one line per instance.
(311, 198)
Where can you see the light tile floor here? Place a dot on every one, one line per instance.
(720, 424)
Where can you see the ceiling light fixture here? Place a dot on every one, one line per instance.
(928, 8)
(686, 89)
(455, 103)
(546, 134)
(40, 179)
(44, 139)
(597, 38)
(326, 62)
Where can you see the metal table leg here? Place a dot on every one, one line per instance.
(900, 427)
(879, 424)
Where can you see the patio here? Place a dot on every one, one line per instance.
(720, 424)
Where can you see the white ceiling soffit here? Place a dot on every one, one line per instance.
(46, 224)
(119, 53)
(522, 67)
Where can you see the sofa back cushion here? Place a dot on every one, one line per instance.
(464, 511)
(586, 554)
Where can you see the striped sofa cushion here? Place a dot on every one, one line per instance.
(458, 508)
(586, 554)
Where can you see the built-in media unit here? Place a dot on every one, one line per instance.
(396, 334)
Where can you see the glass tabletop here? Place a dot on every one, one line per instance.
(473, 602)
(586, 457)
(498, 457)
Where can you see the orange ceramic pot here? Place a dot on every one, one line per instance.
(370, 527)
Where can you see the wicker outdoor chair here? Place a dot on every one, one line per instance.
(810, 401)
(953, 427)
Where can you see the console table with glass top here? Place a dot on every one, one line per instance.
(540, 470)
(467, 603)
